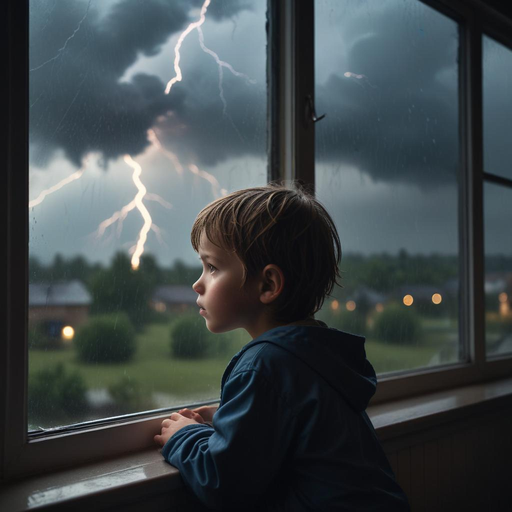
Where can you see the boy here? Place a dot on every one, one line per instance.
(290, 432)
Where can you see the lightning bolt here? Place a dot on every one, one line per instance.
(171, 156)
(121, 214)
(221, 64)
(177, 55)
(60, 50)
(117, 216)
(143, 235)
(210, 178)
(349, 74)
(158, 233)
(41, 197)
(216, 188)
(155, 197)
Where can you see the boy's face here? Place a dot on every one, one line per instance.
(224, 302)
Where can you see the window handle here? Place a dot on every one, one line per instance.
(310, 110)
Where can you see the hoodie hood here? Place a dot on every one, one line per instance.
(338, 357)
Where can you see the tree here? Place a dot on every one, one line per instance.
(180, 273)
(120, 288)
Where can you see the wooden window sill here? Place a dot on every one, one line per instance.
(139, 477)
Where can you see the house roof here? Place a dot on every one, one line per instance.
(68, 293)
(369, 295)
(418, 291)
(174, 294)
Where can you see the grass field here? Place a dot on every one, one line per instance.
(154, 372)
(152, 367)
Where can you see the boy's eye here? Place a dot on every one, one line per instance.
(211, 268)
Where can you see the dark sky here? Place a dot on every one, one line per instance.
(387, 152)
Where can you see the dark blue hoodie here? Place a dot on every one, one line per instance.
(291, 432)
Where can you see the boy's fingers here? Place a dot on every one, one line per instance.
(191, 415)
(157, 439)
(197, 417)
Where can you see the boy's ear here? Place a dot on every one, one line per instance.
(272, 283)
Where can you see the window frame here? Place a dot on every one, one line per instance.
(503, 37)
(291, 145)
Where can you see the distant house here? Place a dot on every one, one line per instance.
(58, 304)
(499, 285)
(369, 296)
(173, 298)
(498, 282)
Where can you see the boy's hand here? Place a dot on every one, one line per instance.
(193, 415)
(171, 425)
(206, 412)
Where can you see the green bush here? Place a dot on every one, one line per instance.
(106, 339)
(352, 321)
(397, 324)
(497, 328)
(190, 339)
(129, 396)
(224, 344)
(55, 393)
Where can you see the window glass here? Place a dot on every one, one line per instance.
(497, 106)
(387, 160)
(498, 269)
(141, 113)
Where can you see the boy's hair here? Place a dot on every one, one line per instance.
(281, 226)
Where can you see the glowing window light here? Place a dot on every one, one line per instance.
(350, 305)
(335, 305)
(436, 298)
(160, 307)
(408, 300)
(379, 308)
(68, 332)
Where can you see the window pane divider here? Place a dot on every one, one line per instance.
(498, 180)
(292, 138)
(473, 231)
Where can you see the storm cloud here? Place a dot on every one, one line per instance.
(78, 55)
(387, 79)
(387, 152)
(391, 97)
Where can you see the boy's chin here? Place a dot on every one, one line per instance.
(217, 329)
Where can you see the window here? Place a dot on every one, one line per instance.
(497, 84)
(131, 132)
(72, 68)
(387, 167)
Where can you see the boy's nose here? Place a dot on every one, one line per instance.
(197, 287)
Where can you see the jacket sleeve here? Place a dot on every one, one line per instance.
(235, 461)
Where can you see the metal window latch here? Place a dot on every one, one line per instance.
(310, 110)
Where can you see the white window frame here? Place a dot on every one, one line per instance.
(291, 157)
